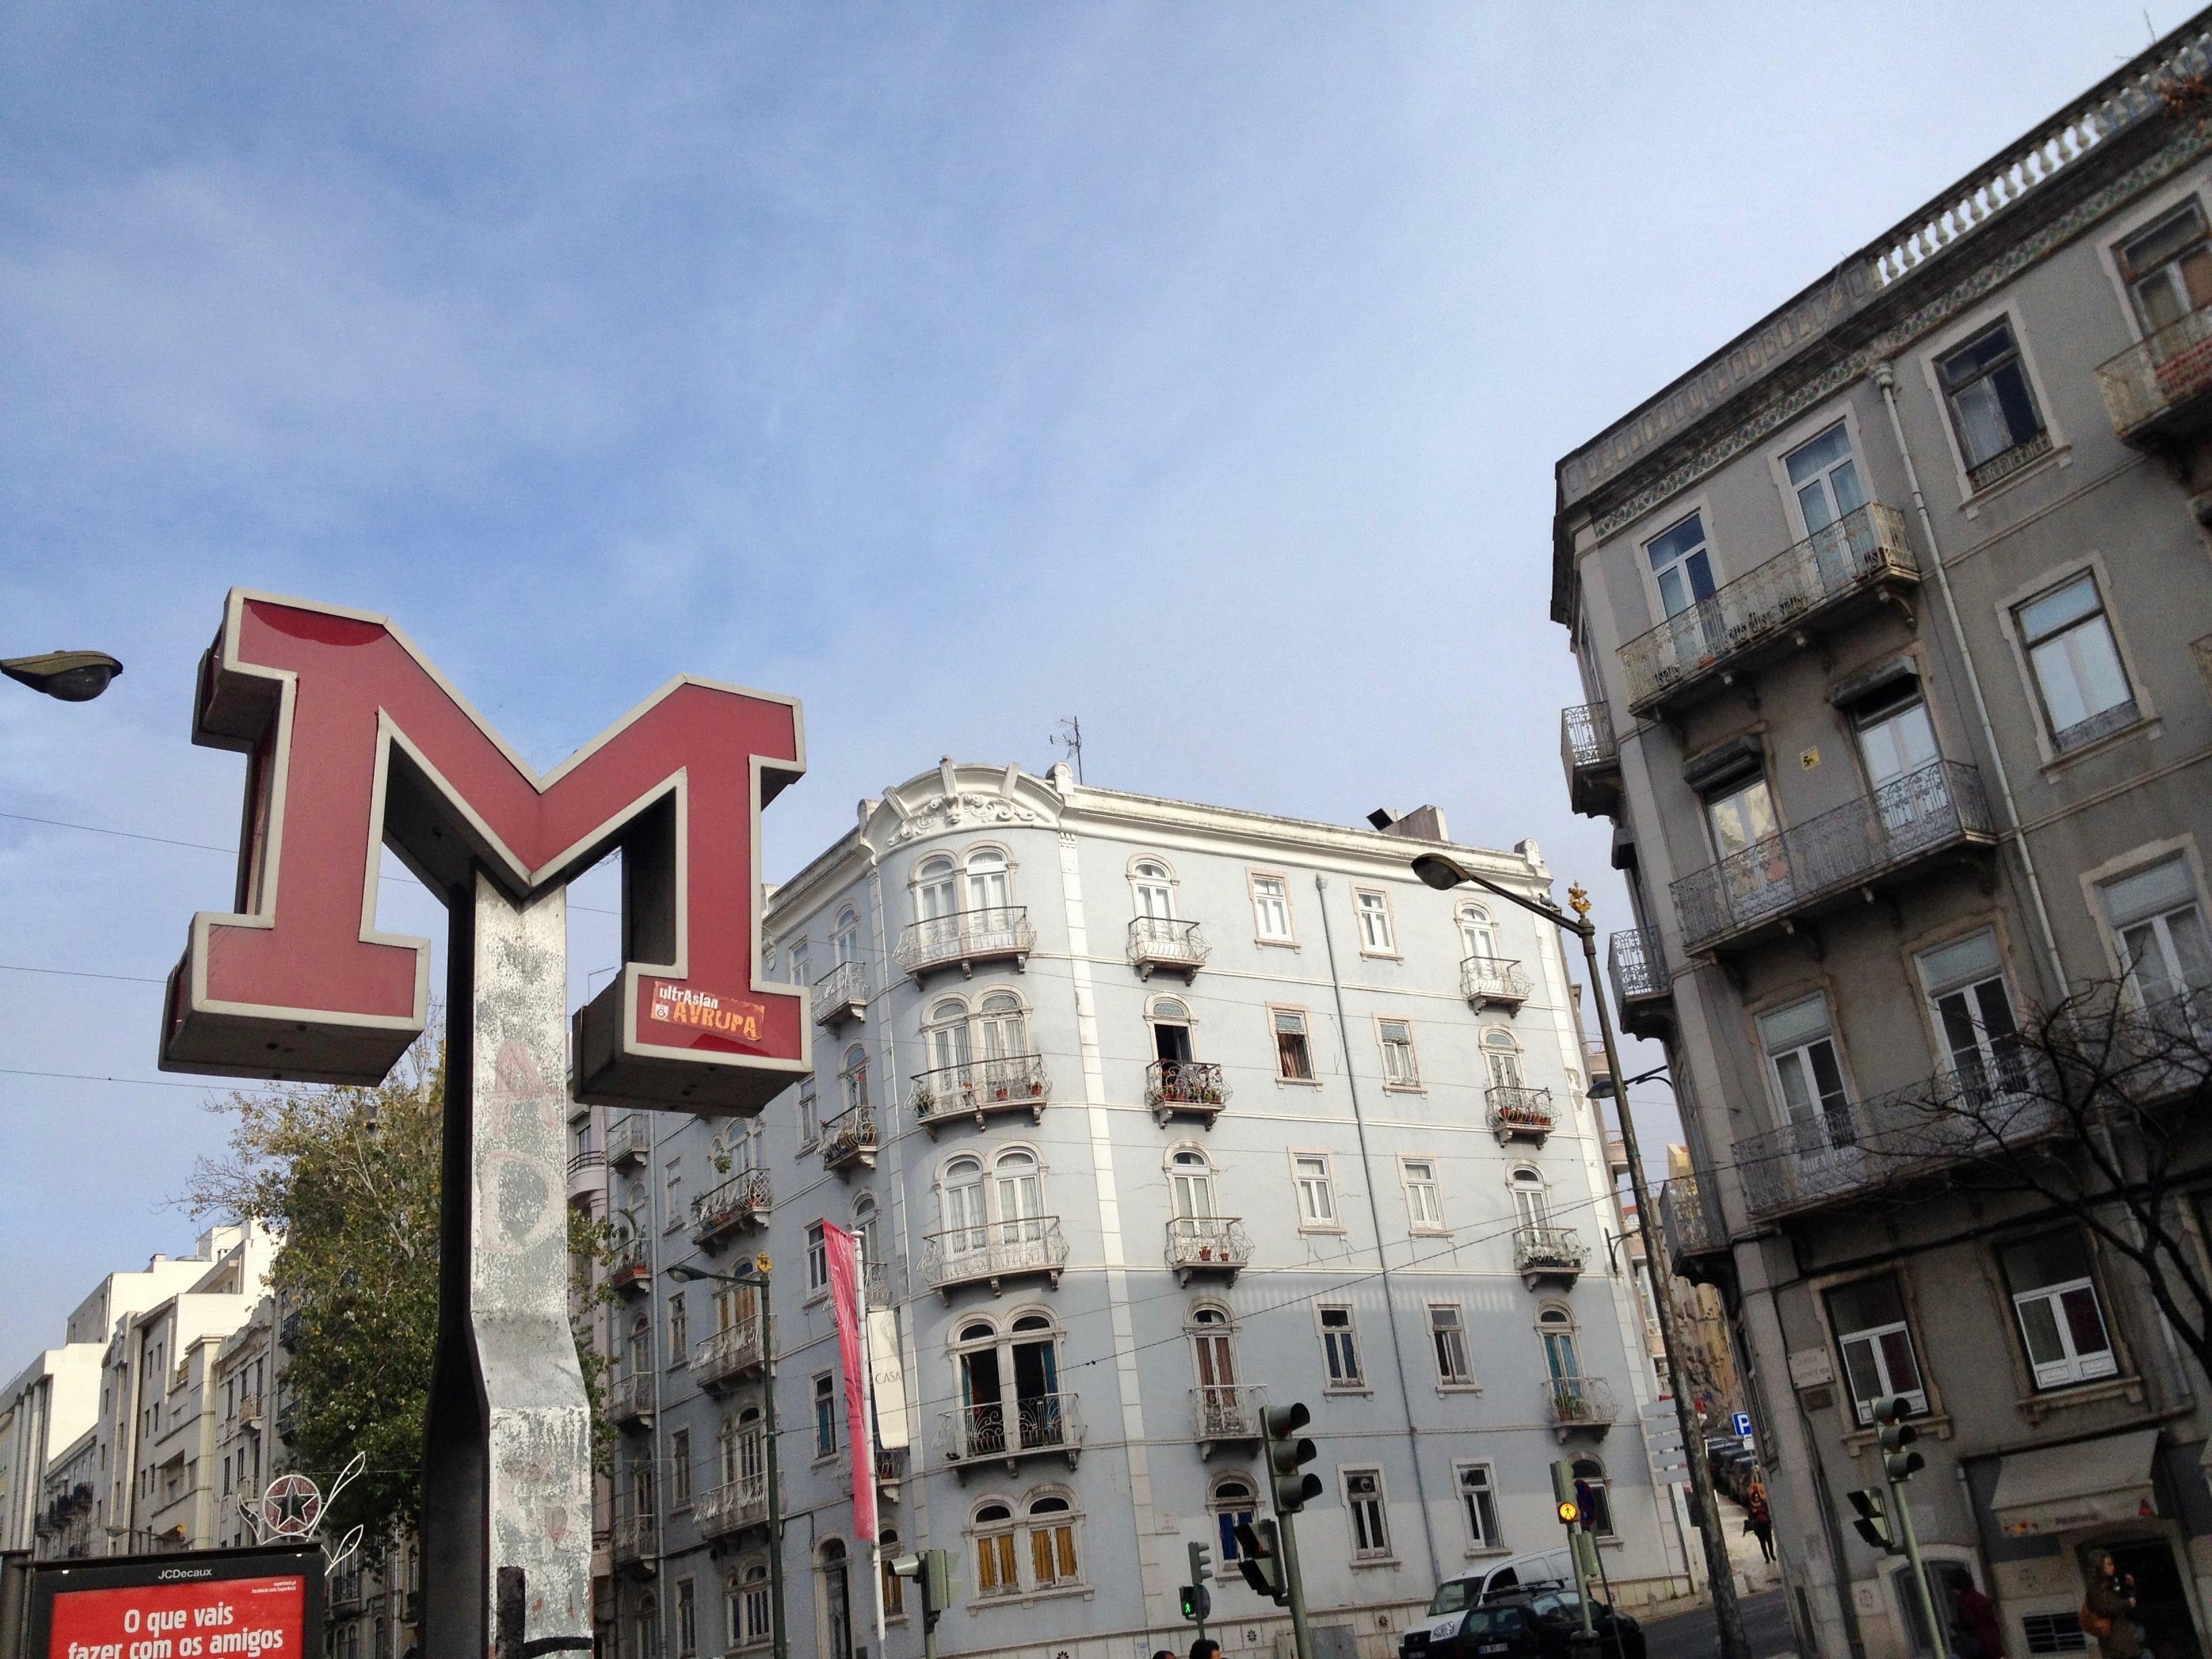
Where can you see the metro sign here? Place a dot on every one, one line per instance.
(354, 741)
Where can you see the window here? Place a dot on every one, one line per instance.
(1155, 890)
(945, 1036)
(1478, 937)
(1824, 475)
(994, 1551)
(1225, 1408)
(854, 1077)
(1501, 1057)
(1293, 1058)
(1992, 407)
(1448, 1336)
(2168, 269)
(963, 1195)
(1271, 910)
(1190, 1186)
(1399, 1069)
(2053, 1632)
(1806, 1077)
(2061, 1323)
(810, 1117)
(2154, 915)
(1052, 1544)
(894, 1590)
(1895, 738)
(687, 1618)
(1682, 567)
(1555, 1329)
(798, 966)
(679, 1331)
(1741, 819)
(1526, 1184)
(750, 1606)
(1478, 1499)
(2079, 676)
(1376, 938)
(817, 1259)
(680, 1468)
(1232, 1503)
(990, 883)
(825, 1415)
(1339, 1348)
(845, 945)
(1170, 1021)
(1371, 1525)
(1590, 1493)
(1316, 1192)
(1868, 1318)
(1966, 987)
(1425, 1204)
(671, 1194)
(936, 889)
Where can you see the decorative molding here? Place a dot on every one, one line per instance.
(941, 813)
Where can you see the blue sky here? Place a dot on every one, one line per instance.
(1197, 370)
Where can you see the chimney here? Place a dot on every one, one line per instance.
(1422, 824)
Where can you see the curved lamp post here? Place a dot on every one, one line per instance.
(66, 676)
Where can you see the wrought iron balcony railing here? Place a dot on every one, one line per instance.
(1579, 1402)
(1515, 1110)
(892, 1465)
(1184, 1088)
(850, 1139)
(743, 1200)
(1493, 979)
(1028, 1246)
(1591, 757)
(731, 1507)
(842, 993)
(1021, 1428)
(629, 1398)
(1163, 942)
(583, 1163)
(1005, 1083)
(728, 1354)
(1863, 551)
(629, 1140)
(2151, 388)
(1207, 1244)
(289, 1330)
(1642, 989)
(966, 938)
(886, 1281)
(1834, 855)
(1226, 1412)
(628, 1266)
(636, 1538)
(1690, 1219)
(1548, 1253)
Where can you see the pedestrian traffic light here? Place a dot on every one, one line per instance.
(1259, 1557)
(1873, 1521)
(1896, 1434)
(1287, 1456)
(1197, 1600)
(931, 1573)
(1564, 1494)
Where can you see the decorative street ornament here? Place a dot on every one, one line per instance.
(290, 1511)
(354, 742)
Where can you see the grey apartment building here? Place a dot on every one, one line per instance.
(1895, 619)
(1148, 1113)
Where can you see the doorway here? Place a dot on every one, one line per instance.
(2161, 1598)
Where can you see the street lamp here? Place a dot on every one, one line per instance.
(1443, 874)
(69, 676)
(755, 1273)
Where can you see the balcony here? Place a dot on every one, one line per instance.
(287, 1420)
(893, 1463)
(743, 1200)
(728, 1510)
(636, 1544)
(1862, 559)
(1030, 1248)
(1553, 1253)
(841, 994)
(1163, 942)
(1578, 1405)
(727, 1356)
(886, 1281)
(249, 1412)
(1035, 1426)
(629, 1140)
(1207, 1244)
(586, 1173)
(1643, 992)
(849, 1140)
(1518, 1112)
(1697, 1236)
(1616, 1154)
(1839, 859)
(629, 1401)
(629, 1266)
(1009, 1083)
(961, 941)
(1493, 982)
(289, 1330)
(1185, 1088)
(2160, 392)
(1592, 759)
(1226, 1415)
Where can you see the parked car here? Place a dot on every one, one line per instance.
(1531, 1622)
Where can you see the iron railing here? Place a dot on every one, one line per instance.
(2005, 462)
(999, 1083)
(1493, 979)
(1184, 1086)
(743, 1200)
(841, 993)
(1586, 737)
(580, 1161)
(1548, 1250)
(727, 1353)
(1935, 807)
(2150, 381)
(1690, 1216)
(966, 936)
(886, 1281)
(1865, 546)
(849, 1138)
(1227, 1411)
(994, 1250)
(1636, 966)
(2083, 733)
(731, 1507)
(1163, 942)
(629, 1140)
(1517, 1111)
(628, 1264)
(1579, 1402)
(629, 1398)
(1036, 1423)
(892, 1465)
(1208, 1243)
(635, 1537)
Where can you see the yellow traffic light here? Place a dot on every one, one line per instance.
(1570, 1512)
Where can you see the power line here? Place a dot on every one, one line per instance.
(88, 1077)
(79, 973)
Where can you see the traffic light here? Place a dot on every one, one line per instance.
(1873, 1521)
(1259, 1557)
(1565, 1493)
(1896, 1434)
(931, 1573)
(1197, 1600)
(1287, 1456)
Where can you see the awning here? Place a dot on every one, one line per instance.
(2091, 1483)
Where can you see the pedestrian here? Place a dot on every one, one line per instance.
(1983, 1637)
(1163, 1653)
(1762, 1521)
(1205, 1648)
(2108, 1612)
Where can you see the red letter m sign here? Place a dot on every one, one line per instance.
(354, 741)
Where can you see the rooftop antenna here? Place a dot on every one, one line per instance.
(1072, 742)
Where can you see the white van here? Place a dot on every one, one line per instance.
(1440, 1626)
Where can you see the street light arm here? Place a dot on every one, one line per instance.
(1431, 865)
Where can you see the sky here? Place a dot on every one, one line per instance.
(1198, 370)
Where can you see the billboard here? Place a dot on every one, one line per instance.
(208, 1604)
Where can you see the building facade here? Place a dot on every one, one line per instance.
(1147, 1113)
(1894, 618)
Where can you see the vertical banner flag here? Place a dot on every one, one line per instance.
(892, 1431)
(845, 1304)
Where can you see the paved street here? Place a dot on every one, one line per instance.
(1690, 1635)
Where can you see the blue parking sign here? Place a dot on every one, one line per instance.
(1741, 1424)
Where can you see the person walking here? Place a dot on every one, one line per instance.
(1762, 1521)
(2108, 1612)
(1983, 1637)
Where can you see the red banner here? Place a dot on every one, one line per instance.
(845, 1304)
(248, 1617)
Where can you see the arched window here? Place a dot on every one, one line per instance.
(1478, 937)
(726, 1460)
(1190, 1185)
(963, 1193)
(845, 943)
(855, 1077)
(1591, 1490)
(1053, 1561)
(645, 1626)
(990, 885)
(865, 1230)
(887, 1550)
(837, 1602)
(1231, 1501)
(945, 1035)
(1170, 1021)
(753, 1452)
(1003, 1026)
(1155, 890)
(994, 1527)
(1556, 1326)
(1017, 1195)
(1503, 1056)
(749, 1604)
(936, 888)
(641, 1346)
(1223, 1408)
(1527, 1185)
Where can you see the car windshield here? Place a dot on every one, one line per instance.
(1453, 1595)
(1493, 1621)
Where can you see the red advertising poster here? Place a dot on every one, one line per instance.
(845, 1307)
(258, 1604)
